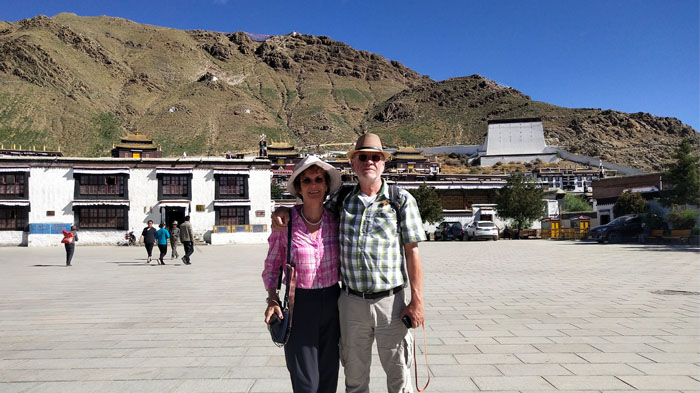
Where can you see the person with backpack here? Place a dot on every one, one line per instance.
(380, 225)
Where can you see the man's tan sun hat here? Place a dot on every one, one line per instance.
(370, 143)
(308, 162)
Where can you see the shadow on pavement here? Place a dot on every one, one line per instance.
(644, 247)
(62, 265)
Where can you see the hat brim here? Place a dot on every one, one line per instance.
(387, 155)
(333, 173)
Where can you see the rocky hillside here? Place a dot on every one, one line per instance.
(455, 111)
(80, 83)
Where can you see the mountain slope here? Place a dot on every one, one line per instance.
(79, 83)
(455, 111)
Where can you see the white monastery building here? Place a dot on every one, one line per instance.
(516, 140)
(228, 200)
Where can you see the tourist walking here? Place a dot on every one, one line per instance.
(174, 240)
(148, 235)
(187, 239)
(162, 236)
(69, 239)
(311, 352)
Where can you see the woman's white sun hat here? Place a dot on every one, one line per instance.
(309, 161)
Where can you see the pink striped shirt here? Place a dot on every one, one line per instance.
(316, 258)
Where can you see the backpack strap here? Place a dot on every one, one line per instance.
(395, 202)
(339, 198)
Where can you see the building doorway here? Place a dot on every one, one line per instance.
(173, 213)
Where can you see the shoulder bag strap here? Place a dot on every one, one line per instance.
(415, 363)
(288, 272)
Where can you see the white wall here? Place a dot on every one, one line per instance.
(143, 198)
(53, 189)
(12, 238)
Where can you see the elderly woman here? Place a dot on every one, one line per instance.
(312, 349)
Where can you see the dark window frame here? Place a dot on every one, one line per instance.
(83, 182)
(90, 217)
(218, 186)
(223, 220)
(24, 185)
(16, 220)
(163, 177)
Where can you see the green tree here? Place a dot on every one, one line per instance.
(629, 203)
(429, 204)
(575, 203)
(682, 177)
(275, 191)
(520, 200)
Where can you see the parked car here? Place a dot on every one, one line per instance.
(449, 230)
(482, 230)
(620, 229)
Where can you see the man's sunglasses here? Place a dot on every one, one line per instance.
(317, 180)
(373, 157)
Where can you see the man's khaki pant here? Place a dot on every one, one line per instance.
(361, 321)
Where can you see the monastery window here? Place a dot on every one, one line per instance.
(233, 215)
(13, 185)
(232, 187)
(102, 217)
(174, 186)
(101, 186)
(13, 218)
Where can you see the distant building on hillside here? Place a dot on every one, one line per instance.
(408, 160)
(281, 153)
(136, 146)
(515, 140)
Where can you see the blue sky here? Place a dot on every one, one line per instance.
(626, 55)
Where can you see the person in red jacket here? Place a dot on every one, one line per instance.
(69, 239)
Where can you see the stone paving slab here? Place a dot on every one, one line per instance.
(508, 316)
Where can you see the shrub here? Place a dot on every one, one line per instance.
(629, 203)
(576, 203)
(683, 218)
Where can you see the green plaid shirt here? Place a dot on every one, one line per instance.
(371, 251)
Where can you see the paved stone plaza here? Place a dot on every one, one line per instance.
(506, 316)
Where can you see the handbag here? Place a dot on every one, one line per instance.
(281, 328)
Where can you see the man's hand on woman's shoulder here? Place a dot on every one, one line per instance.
(280, 219)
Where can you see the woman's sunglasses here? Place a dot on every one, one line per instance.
(373, 157)
(317, 180)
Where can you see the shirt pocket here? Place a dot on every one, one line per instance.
(384, 222)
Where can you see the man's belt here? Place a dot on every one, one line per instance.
(374, 295)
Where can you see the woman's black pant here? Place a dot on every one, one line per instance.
(312, 353)
(149, 248)
(70, 249)
(163, 251)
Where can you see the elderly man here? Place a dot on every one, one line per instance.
(375, 238)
